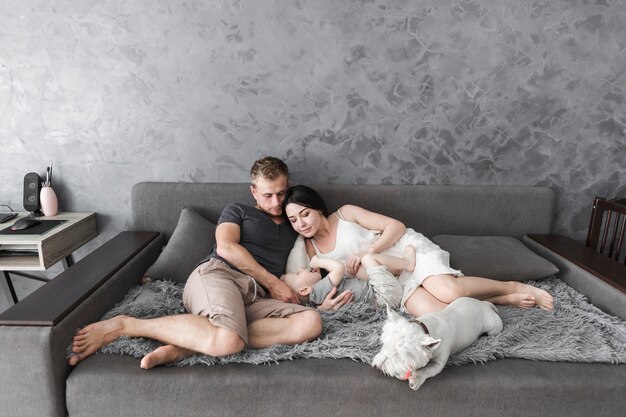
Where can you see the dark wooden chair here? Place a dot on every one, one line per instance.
(607, 228)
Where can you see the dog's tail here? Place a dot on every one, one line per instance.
(392, 315)
(493, 307)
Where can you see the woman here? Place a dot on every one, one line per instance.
(352, 232)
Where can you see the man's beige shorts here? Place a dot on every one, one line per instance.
(231, 299)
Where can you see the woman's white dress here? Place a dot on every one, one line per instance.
(430, 259)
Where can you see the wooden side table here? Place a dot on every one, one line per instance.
(38, 252)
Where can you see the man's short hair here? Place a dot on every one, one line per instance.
(269, 168)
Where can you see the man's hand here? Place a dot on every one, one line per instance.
(332, 303)
(283, 292)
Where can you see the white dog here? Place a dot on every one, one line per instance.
(409, 345)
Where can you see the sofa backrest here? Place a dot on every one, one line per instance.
(429, 209)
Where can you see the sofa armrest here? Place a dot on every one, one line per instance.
(600, 278)
(53, 301)
(35, 333)
(603, 267)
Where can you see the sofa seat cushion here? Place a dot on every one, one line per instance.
(117, 386)
(502, 258)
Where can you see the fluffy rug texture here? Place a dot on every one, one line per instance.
(575, 331)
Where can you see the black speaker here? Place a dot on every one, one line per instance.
(32, 188)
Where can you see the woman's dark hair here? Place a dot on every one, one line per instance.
(306, 197)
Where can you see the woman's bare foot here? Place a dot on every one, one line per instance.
(543, 299)
(516, 299)
(92, 337)
(164, 354)
(408, 258)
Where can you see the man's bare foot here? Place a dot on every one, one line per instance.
(408, 258)
(163, 355)
(543, 299)
(92, 337)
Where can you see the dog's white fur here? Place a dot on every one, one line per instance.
(407, 352)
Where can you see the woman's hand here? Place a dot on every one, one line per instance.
(353, 263)
(334, 304)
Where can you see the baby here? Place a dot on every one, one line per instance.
(378, 287)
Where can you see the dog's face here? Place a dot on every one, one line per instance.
(405, 347)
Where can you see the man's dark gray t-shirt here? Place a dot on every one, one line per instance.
(268, 242)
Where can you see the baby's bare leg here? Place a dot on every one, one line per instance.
(373, 259)
(367, 261)
(396, 265)
(361, 274)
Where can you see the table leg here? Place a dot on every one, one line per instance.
(7, 277)
(67, 261)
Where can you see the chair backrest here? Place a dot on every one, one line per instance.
(607, 228)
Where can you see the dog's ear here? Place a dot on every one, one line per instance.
(430, 343)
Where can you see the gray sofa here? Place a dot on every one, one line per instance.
(34, 334)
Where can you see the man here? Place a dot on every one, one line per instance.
(234, 297)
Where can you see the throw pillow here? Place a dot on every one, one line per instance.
(502, 258)
(190, 243)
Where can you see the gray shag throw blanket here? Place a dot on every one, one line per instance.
(575, 331)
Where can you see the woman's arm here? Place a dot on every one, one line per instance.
(390, 228)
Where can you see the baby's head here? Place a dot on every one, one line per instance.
(303, 281)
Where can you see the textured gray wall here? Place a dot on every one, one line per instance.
(402, 92)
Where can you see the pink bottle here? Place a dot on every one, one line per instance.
(49, 202)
